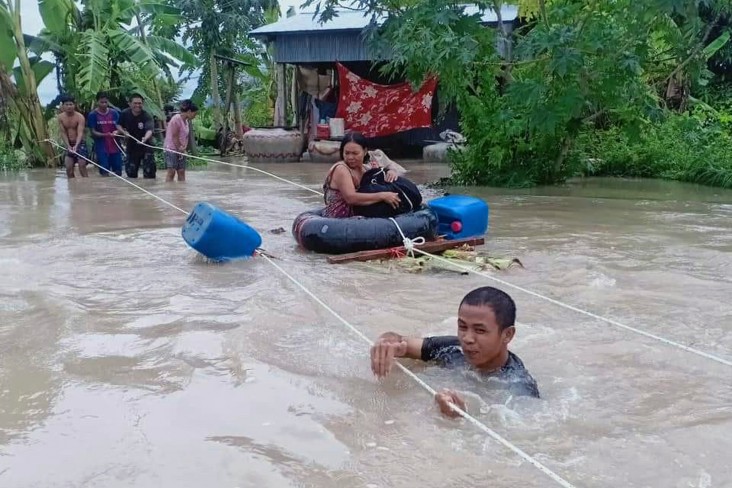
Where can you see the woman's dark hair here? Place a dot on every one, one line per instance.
(188, 106)
(356, 138)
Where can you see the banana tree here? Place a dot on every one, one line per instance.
(218, 27)
(24, 91)
(104, 46)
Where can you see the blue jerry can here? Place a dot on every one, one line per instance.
(218, 235)
(460, 216)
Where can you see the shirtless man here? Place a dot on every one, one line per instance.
(71, 129)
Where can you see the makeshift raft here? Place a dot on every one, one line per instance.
(433, 247)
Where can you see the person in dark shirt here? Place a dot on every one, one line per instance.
(486, 325)
(135, 122)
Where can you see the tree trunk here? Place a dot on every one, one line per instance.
(237, 115)
(37, 126)
(215, 97)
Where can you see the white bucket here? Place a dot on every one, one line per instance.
(337, 128)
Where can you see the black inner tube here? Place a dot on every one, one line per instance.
(339, 236)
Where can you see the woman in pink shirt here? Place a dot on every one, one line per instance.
(176, 139)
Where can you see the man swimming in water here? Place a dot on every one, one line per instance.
(486, 325)
(71, 130)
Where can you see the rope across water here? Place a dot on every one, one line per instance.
(410, 246)
(477, 423)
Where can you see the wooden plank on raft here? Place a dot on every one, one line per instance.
(431, 247)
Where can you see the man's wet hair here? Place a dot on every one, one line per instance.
(101, 95)
(499, 301)
(134, 95)
(67, 98)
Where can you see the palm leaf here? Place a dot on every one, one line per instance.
(716, 45)
(173, 49)
(95, 62)
(43, 43)
(41, 68)
(55, 14)
(8, 48)
(150, 7)
(133, 48)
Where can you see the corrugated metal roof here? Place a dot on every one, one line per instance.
(321, 48)
(349, 20)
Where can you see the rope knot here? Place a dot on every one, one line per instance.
(406, 241)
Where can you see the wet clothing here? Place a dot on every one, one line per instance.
(106, 123)
(335, 206)
(175, 161)
(137, 126)
(181, 127)
(80, 154)
(106, 149)
(136, 160)
(108, 162)
(137, 154)
(513, 376)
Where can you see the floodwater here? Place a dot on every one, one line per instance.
(128, 361)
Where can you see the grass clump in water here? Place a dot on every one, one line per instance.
(691, 148)
(12, 159)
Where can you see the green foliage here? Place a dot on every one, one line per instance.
(98, 48)
(258, 106)
(573, 65)
(695, 148)
(192, 162)
(12, 159)
(218, 26)
(143, 83)
(203, 126)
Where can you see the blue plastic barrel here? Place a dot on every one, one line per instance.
(218, 235)
(460, 216)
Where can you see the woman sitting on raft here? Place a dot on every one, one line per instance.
(340, 189)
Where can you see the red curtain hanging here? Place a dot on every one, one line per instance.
(382, 110)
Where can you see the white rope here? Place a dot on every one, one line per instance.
(118, 176)
(558, 479)
(410, 243)
(584, 312)
(477, 423)
(202, 158)
(124, 154)
(406, 241)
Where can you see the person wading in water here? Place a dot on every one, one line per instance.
(135, 123)
(71, 130)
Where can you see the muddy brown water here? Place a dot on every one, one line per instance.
(126, 360)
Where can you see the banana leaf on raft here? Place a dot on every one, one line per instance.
(467, 257)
